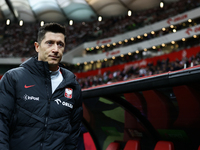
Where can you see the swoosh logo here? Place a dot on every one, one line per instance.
(28, 86)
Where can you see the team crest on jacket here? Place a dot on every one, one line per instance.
(68, 92)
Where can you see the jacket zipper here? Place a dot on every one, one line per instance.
(46, 115)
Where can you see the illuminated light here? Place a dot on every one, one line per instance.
(92, 48)
(99, 18)
(174, 30)
(194, 36)
(183, 39)
(85, 63)
(42, 23)
(126, 40)
(163, 45)
(87, 49)
(78, 64)
(7, 21)
(108, 45)
(137, 51)
(98, 61)
(145, 49)
(172, 47)
(91, 62)
(129, 13)
(153, 47)
(163, 29)
(21, 22)
(129, 53)
(114, 44)
(105, 59)
(97, 47)
(120, 42)
(138, 36)
(173, 42)
(122, 55)
(152, 32)
(102, 46)
(113, 57)
(177, 45)
(132, 39)
(161, 4)
(171, 26)
(71, 22)
(189, 20)
(145, 35)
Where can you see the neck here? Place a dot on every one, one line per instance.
(53, 67)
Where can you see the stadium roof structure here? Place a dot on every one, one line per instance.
(65, 10)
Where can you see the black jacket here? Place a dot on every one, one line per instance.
(31, 117)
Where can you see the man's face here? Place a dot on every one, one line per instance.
(51, 49)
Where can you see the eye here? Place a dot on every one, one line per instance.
(61, 44)
(49, 42)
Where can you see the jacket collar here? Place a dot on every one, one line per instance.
(41, 68)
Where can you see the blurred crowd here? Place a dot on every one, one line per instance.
(17, 41)
(133, 72)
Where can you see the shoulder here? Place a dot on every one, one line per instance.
(13, 74)
(70, 76)
(16, 71)
(67, 73)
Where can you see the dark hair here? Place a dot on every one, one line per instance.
(50, 27)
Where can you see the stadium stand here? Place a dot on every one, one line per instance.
(164, 145)
(113, 146)
(132, 145)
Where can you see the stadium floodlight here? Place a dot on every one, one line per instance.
(41, 23)
(183, 39)
(161, 4)
(99, 18)
(71, 22)
(174, 30)
(7, 21)
(129, 13)
(21, 22)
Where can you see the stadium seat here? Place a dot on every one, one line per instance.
(164, 145)
(113, 146)
(132, 145)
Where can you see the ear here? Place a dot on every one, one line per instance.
(36, 46)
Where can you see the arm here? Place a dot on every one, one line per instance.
(6, 108)
(76, 118)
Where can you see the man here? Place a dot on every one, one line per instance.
(40, 101)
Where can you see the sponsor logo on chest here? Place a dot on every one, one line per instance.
(30, 98)
(58, 101)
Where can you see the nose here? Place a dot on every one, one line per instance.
(55, 48)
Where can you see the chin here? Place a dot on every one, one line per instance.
(53, 63)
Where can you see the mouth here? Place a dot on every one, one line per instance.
(54, 57)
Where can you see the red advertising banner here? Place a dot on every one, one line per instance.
(143, 63)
